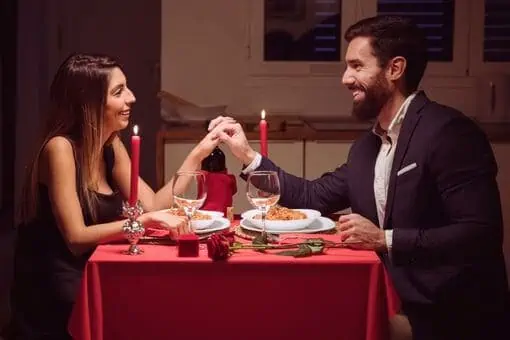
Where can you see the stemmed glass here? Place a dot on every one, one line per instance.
(263, 191)
(190, 192)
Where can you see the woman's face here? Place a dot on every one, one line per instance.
(119, 100)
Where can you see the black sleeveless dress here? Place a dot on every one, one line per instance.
(47, 275)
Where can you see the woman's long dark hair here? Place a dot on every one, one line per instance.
(78, 96)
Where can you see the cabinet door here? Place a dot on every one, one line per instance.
(286, 154)
(322, 157)
(174, 155)
(489, 35)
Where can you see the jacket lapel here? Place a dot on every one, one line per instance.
(411, 119)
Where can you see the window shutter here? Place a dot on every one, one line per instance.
(496, 42)
(436, 17)
(302, 30)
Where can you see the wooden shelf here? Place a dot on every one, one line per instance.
(295, 128)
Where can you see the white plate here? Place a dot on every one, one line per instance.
(203, 224)
(319, 224)
(272, 225)
(211, 212)
(219, 223)
(208, 212)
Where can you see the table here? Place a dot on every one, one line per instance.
(343, 294)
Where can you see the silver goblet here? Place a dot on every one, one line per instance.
(133, 229)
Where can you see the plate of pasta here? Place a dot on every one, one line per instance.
(201, 219)
(320, 224)
(281, 218)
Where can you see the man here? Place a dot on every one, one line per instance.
(421, 185)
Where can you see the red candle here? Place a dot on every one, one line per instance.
(135, 165)
(263, 133)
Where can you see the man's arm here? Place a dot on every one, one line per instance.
(462, 162)
(327, 194)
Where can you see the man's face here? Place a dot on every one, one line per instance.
(366, 79)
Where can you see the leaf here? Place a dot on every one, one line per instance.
(309, 248)
(303, 251)
(260, 239)
(316, 245)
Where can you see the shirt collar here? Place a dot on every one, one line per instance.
(396, 122)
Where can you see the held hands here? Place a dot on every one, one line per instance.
(232, 134)
(361, 233)
(161, 219)
(206, 145)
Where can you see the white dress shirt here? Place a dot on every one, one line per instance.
(383, 164)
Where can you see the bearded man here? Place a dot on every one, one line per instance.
(421, 185)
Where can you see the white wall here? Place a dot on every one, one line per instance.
(205, 59)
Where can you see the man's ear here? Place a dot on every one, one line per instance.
(396, 68)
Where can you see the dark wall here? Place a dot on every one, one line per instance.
(49, 30)
(36, 37)
(7, 149)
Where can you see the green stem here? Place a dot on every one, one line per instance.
(264, 246)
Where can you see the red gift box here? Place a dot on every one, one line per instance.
(187, 245)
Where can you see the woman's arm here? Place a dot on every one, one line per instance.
(58, 172)
(163, 198)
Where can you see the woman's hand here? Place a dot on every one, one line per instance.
(163, 219)
(212, 139)
(205, 146)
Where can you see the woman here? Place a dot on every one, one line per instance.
(72, 199)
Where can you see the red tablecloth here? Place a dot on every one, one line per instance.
(343, 294)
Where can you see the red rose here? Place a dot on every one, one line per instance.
(230, 236)
(218, 247)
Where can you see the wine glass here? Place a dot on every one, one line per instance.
(263, 191)
(190, 192)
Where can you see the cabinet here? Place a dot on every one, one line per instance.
(481, 33)
(324, 156)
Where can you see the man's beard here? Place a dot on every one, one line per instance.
(374, 99)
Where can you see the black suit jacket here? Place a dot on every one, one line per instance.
(445, 213)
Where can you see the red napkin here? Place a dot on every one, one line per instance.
(156, 232)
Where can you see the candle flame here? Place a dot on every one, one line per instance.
(135, 130)
(263, 114)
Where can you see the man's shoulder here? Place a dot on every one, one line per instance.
(438, 114)
(363, 138)
(435, 117)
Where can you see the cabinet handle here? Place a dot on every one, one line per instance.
(493, 97)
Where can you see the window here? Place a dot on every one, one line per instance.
(305, 37)
(496, 42)
(436, 17)
(302, 30)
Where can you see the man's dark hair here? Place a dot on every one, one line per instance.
(392, 36)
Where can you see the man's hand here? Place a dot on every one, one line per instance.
(218, 121)
(232, 134)
(361, 233)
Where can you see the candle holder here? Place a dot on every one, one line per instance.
(133, 229)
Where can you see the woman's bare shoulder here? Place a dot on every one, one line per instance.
(58, 145)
